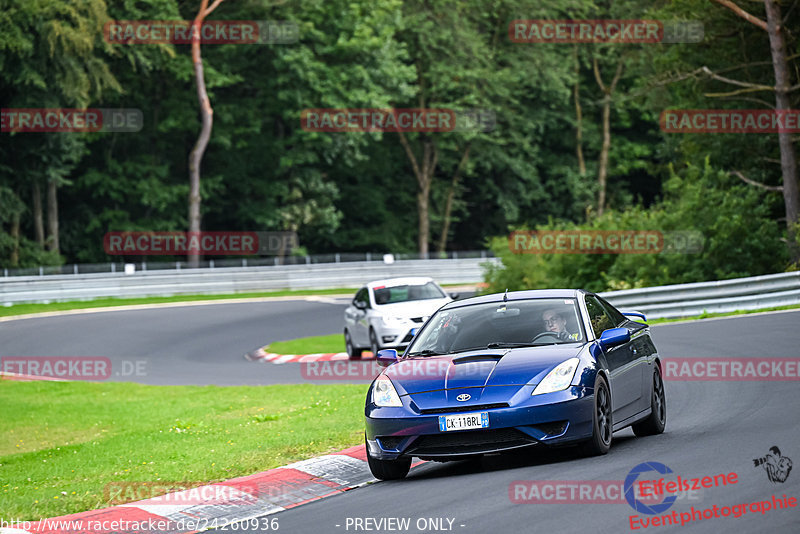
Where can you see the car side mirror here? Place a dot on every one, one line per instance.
(454, 296)
(386, 357)
(634, 313)
(360, 304)
(613, 337)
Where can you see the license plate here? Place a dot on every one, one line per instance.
(464, 421)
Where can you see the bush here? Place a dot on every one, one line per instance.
(741, 239)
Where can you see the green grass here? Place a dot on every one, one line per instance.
(728, 314)
(309, 345)
(64, 441)
(22, 309)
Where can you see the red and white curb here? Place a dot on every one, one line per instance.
(261, 355)
(249, 497)
(28, 378)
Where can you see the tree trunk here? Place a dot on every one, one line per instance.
(424, 222)
(424, 175)
(602, 168)
(52, 217)
(788, 157)
(207, 117)
(448, 208)
(38, 224)
(578, 117)
(14, 259)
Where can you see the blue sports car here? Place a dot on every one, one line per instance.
(504, 371)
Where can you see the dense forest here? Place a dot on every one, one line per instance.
(576, 141)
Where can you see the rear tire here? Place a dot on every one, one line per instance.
(602, 426)
(388, 469)
(657, 420)
(352, 352)
(373, 343)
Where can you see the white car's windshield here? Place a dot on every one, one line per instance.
(499, 325)
(404, 293)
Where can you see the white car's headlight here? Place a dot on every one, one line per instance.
(559, 378)
(384, 394)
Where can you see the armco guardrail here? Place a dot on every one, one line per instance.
(683, 300)
(679, 300)
(55, 288)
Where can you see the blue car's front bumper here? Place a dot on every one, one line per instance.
(550, 418)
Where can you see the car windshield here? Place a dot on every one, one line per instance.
(406, 292)
(499, 325)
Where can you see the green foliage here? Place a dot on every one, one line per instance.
(356, 191)
(741, 239)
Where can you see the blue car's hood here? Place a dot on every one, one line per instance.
(477, 369)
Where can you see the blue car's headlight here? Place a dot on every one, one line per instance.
(384, 394)
(559, 378)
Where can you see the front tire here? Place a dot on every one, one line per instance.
(657, 420)
(352, 352)
(602, 427)
(388, 469)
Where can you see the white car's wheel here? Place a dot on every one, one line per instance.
(373, 343)
(352, 352)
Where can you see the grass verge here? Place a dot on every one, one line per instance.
(727, 314)
(308, 345)
(23, 309)
(65, 441)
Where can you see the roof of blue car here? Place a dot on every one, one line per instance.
(519, 295)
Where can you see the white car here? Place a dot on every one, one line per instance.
(387, 313)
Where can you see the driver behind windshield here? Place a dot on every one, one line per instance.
(554, 321)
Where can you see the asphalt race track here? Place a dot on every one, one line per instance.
(200, 344)
(712, 427)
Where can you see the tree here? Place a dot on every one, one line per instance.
(207, 118)
(775, 29)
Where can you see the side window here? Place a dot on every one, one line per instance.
(598, 316)
(615, 315)
(362, 296)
